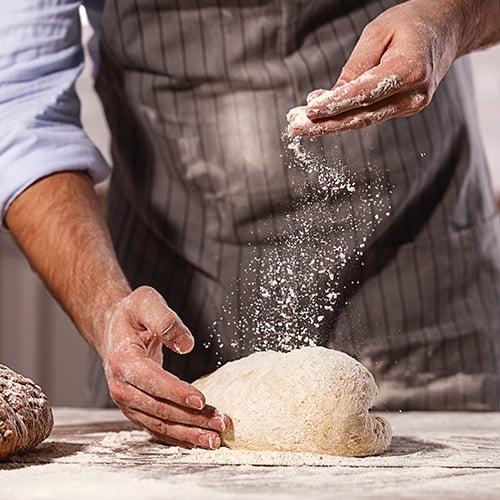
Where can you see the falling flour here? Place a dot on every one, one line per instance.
(295, 283)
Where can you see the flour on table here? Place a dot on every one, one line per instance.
(313, 399)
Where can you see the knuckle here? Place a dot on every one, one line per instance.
(144, 293)
(157, 409)
(420, 74)
(419, 100)
(115, 366)
(118, 395)
(373, 30)
(163, 430)
(169, 329)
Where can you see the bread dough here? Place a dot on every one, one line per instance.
(311, 399)
(25, 413)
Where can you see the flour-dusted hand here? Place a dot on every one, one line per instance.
(58, 222)
(170, 409)
(396, 66)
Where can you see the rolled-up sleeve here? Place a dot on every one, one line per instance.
(40, 131)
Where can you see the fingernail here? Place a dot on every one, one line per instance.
(195, 402)
(209, 441)
(217, 423)
(183, 344)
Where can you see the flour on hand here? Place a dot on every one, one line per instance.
(311, 399)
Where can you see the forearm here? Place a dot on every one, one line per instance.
(481, 24)
(59, 225)
(476, 22)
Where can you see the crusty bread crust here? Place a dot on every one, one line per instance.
(25, 413)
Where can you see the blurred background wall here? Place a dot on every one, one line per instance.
(39, 341)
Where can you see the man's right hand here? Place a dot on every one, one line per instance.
(399, 60)
(170, 409)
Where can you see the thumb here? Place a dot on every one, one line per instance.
(366, 54)
(154, 315)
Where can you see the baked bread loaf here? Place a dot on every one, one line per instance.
(25, 413)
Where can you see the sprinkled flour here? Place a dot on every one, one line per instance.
(294, 284)
(120, 446)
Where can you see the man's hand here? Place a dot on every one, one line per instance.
(171, 410)
(397, 64)
(59, 224)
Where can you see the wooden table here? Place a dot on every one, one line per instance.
(98, 454)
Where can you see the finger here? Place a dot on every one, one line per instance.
(207, 418)
(362, 79)
(396, 106)
(154, 314)
(297, 120)
(375, 85)
(314, 94)
(134, 368)
(367, 53)
(169, 432)
(170, 441)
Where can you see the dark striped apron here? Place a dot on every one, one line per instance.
(384, 243)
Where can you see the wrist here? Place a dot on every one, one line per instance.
(475, 22)
(59, 224)
(93, 320)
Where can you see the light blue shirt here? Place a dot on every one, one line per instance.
(41, 56)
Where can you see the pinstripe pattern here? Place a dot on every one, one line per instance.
(196, 92)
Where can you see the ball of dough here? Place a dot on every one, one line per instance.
(25, 413)
(311, 399)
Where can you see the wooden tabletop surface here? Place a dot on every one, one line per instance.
(99, 454)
